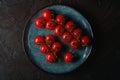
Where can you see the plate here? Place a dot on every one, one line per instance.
(33, 51)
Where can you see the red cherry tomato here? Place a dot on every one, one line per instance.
(68, 57)
(50, 24)
(59, 30)
(39, 22)
(38, 40)
(60, 18)
(67, 37)
(44, 49)
(70, 25)
(56, 47)
(85, 40)
(47, 14)
(49, 39)
(74, 44)
(50, 57)
(77, 33)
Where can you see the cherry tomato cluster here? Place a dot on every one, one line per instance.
(48, 46)
(51, 48)
(66, 29)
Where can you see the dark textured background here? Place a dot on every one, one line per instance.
(102, 64)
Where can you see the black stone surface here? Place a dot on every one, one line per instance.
(102, 64)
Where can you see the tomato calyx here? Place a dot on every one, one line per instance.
(67, 38)
(75, 44)
(41, 43)
(61, 31)
(47, 51)
(43, 22)
(51, 25)
(52, 16)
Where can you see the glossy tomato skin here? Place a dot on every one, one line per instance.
(59, 30)
(56, 47)
(68, 57)
(66, 37)
(44, 49)
(60, 19)
(47, 14)
(38, 40)
(40, 22)
(50, 25)
(70, 25)
(74, 44)
(51, 58)
(49, 39)
(77, 33)
(85, 40)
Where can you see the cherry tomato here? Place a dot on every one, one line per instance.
(67, 37)
(59, 30)
(60, 18)
(38, 40)
(50, 57)
(85, 40)
(47, 14)
(70, 25)
(44, 48)
(50, 24)
(39, 22)
(49, 39)
(77, 33)
(74, 44)
(68, 57)
(56, 47)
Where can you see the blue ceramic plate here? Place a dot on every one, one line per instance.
(39, 59)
